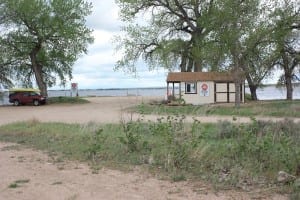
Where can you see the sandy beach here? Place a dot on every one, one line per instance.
(49, 180)
(100, 110)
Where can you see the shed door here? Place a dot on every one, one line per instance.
(225, 93)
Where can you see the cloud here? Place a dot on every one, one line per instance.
(96, 69)
(105, 16)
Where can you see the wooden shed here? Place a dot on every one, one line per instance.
(203, 87)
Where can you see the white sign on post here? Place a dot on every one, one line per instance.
(74, 89)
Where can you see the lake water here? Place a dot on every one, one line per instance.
(265, 93)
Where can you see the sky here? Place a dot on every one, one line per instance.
(95, 70)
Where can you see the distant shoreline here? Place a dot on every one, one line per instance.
(141, 88)
(267, 92)
(151, 88)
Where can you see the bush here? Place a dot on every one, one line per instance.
(72, 100)
(227, 130)
(248, 97)
(131, 136)
(96, 141)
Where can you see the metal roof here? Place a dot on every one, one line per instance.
(200, 76)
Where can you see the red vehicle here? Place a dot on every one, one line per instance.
(26, 96)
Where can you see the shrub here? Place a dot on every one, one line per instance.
(248, 97)
(96, 141)
(131, 136)
(227, 130)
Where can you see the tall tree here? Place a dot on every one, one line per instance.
(257, 44)
(44, 38)
(286, 33)
(172, 35)
(235, 20)
(260, 57)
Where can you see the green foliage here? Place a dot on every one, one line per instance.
(277, 108)
(97, 140)
(132, 136)
(248, 97)
(43, 39)
(286, 39)
(174, 143)
(227, 130)
(5, 73)
(216, 35)
(295, 195)
(18, 183)
(13, 185)
(72, 100)
(170, 36)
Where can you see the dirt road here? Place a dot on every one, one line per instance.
(100, 110)
(27, 174)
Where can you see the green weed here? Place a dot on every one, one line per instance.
(225, 154)
(131, 136)
(13, 185)
(97, 139)
(18, 183)
(71, 100)
(279, 108)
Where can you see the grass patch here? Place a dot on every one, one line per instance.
(18, 183)
(64, 100)
(278, 108)
(227, 155)
(57, 183)
(13, 185)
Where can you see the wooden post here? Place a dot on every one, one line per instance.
(167, 94)
(180, 90)
(173, 91)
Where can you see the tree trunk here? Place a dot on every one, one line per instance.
(39, 78)
(238, 82)
(190, 65)
(287, 76)
(37, 69)
(289, 86)
(197, 66)
(183, 64)
(237, 74)
(237, 94)
(253, 87)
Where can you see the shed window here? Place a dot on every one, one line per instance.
(190, 88)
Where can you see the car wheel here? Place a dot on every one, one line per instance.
(36, 102)
(16, 103)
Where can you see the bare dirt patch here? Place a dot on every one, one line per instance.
(49, 180)
(68, 180)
